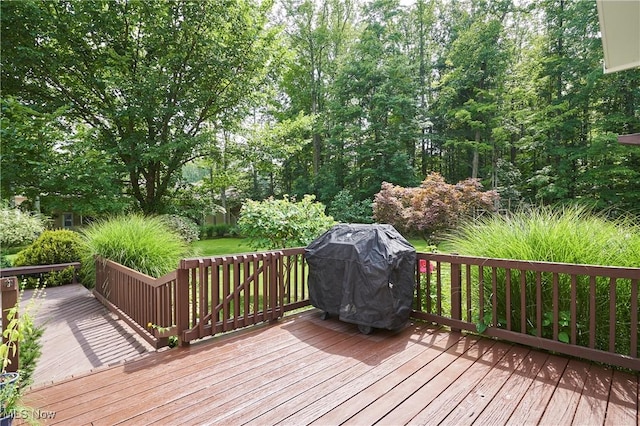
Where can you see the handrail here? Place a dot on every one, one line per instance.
(138, 299)
(18, 271)
(567, 308)
(586, 311)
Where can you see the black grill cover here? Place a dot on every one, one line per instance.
(363, 273)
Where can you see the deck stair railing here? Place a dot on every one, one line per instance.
(580, 310)
(145, 303)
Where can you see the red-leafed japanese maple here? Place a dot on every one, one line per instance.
(431, 208)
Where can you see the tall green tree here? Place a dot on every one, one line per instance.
(372, 113)
(146, 75)
(472, 86)
(318, 34)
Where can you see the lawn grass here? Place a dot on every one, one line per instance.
(229, 245)
(220, 246)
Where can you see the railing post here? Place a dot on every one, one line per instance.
(456, 293)
(9, 298)
(182, 303)
(273, 286)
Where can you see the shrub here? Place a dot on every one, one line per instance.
(221, 229)
(52, 247)
(347, 210)
(145, 244)
(566, 235)
(433, 207)
(19, 228)
(184, 227)
(272, 223)
(5, 262)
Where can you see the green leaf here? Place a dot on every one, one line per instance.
(481, 327)
(563, 337)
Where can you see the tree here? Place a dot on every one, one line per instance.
(473, 84)
(146, 76)
(372, 110)
(433, 207)
(275, 224)
(318, 33)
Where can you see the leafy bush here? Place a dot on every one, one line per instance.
(184, 227)
(19, 228)
(5, 262)
(221, 229)
(52, 247)
(433, 207)
(272, 223)
(347, 210)
(145, 244)
(567, 235)
(218, 230)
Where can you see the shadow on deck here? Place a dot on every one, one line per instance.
(302, 370)
(80, 334)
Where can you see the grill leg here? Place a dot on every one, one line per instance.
(365, 329)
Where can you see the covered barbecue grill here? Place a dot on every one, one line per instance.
(365, 274)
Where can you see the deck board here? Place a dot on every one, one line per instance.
(302, 370)
(80, 334)
(505, 402)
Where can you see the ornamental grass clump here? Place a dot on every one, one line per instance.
(566, 235)
(143, 243)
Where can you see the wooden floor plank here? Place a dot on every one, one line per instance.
(144, 375)
(222, 381)
(563, 404)
(318, 398)
(592, 407)
(506, 401)
(302, 370)
(533, 404)
(107, 377)
(465, 411)
(80, 334)
(622, 406)
(400, 405)
(311, 377)
(346, 396)
(350, 407)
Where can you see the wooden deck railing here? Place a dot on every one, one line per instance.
(24, 271)
(139, 299)
(581, 310)
(230, 292)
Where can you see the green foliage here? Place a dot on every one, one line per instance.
(145, 76)
(19, 228)
(347, 210)
(143, 243)
(23, 333)
(30, 348)
(218, 230)
(52, 247)
(221, 229)
(433, 207)
(569, 235)
(273, 224)
(5, 262)
(183, 226)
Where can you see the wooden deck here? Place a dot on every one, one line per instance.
(302, 370)
(80, 334)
